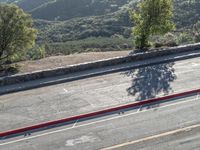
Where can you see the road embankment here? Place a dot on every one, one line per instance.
(154, 53)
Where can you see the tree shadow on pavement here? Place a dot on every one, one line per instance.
(147, 82)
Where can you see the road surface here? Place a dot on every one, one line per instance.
(172, 125)
(92, 94)
(149, 127)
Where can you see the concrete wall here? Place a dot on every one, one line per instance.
(19, 78)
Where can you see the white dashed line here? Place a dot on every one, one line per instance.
(75, 123)
(92, 123)
(139, 109)
(65, 90)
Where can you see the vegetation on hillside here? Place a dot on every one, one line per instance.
(111, 23)
(67, 9)
(78, 25)
(76, 8)
(27, 5)
(97, 44)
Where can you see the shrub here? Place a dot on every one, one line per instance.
(89, 44)
(185, 38)
(37, 52)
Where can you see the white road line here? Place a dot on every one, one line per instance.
(75, 123)
(65, 90)
(139, 109)
(186, 129)
(195, 64)
(197, 96)
(91, 123)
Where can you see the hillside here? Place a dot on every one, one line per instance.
(28, 5)
(80, 28)
(7, 1)
(186, 14)
(67, 9)
(94, 24)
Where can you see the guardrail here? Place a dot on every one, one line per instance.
(95, 114)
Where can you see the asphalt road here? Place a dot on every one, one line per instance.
(173, 125)
(82, 96)
(181, 139)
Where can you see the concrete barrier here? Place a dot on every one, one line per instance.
(95, 114)
(20, 78)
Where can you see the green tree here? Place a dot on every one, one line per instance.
(153, 17)
(16, 33)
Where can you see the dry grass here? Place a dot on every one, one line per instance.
(59, 61)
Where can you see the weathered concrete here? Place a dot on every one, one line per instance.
(81, 96)
(13, 79)
(118, 129)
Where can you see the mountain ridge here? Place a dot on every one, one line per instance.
(67, 9)
(79, 25)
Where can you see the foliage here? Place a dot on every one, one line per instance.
(105, 19)
(185, 38)
(37, 52)
(152, 18)
(76, 8)
(67, 9)
(196, 31)
(81, 28)
(27, 5)
(11, 69)
(16, 33)
(89, 44)
(168, 40)
(186, 12)
(106, 25)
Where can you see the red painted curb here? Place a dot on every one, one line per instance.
(93, 114)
